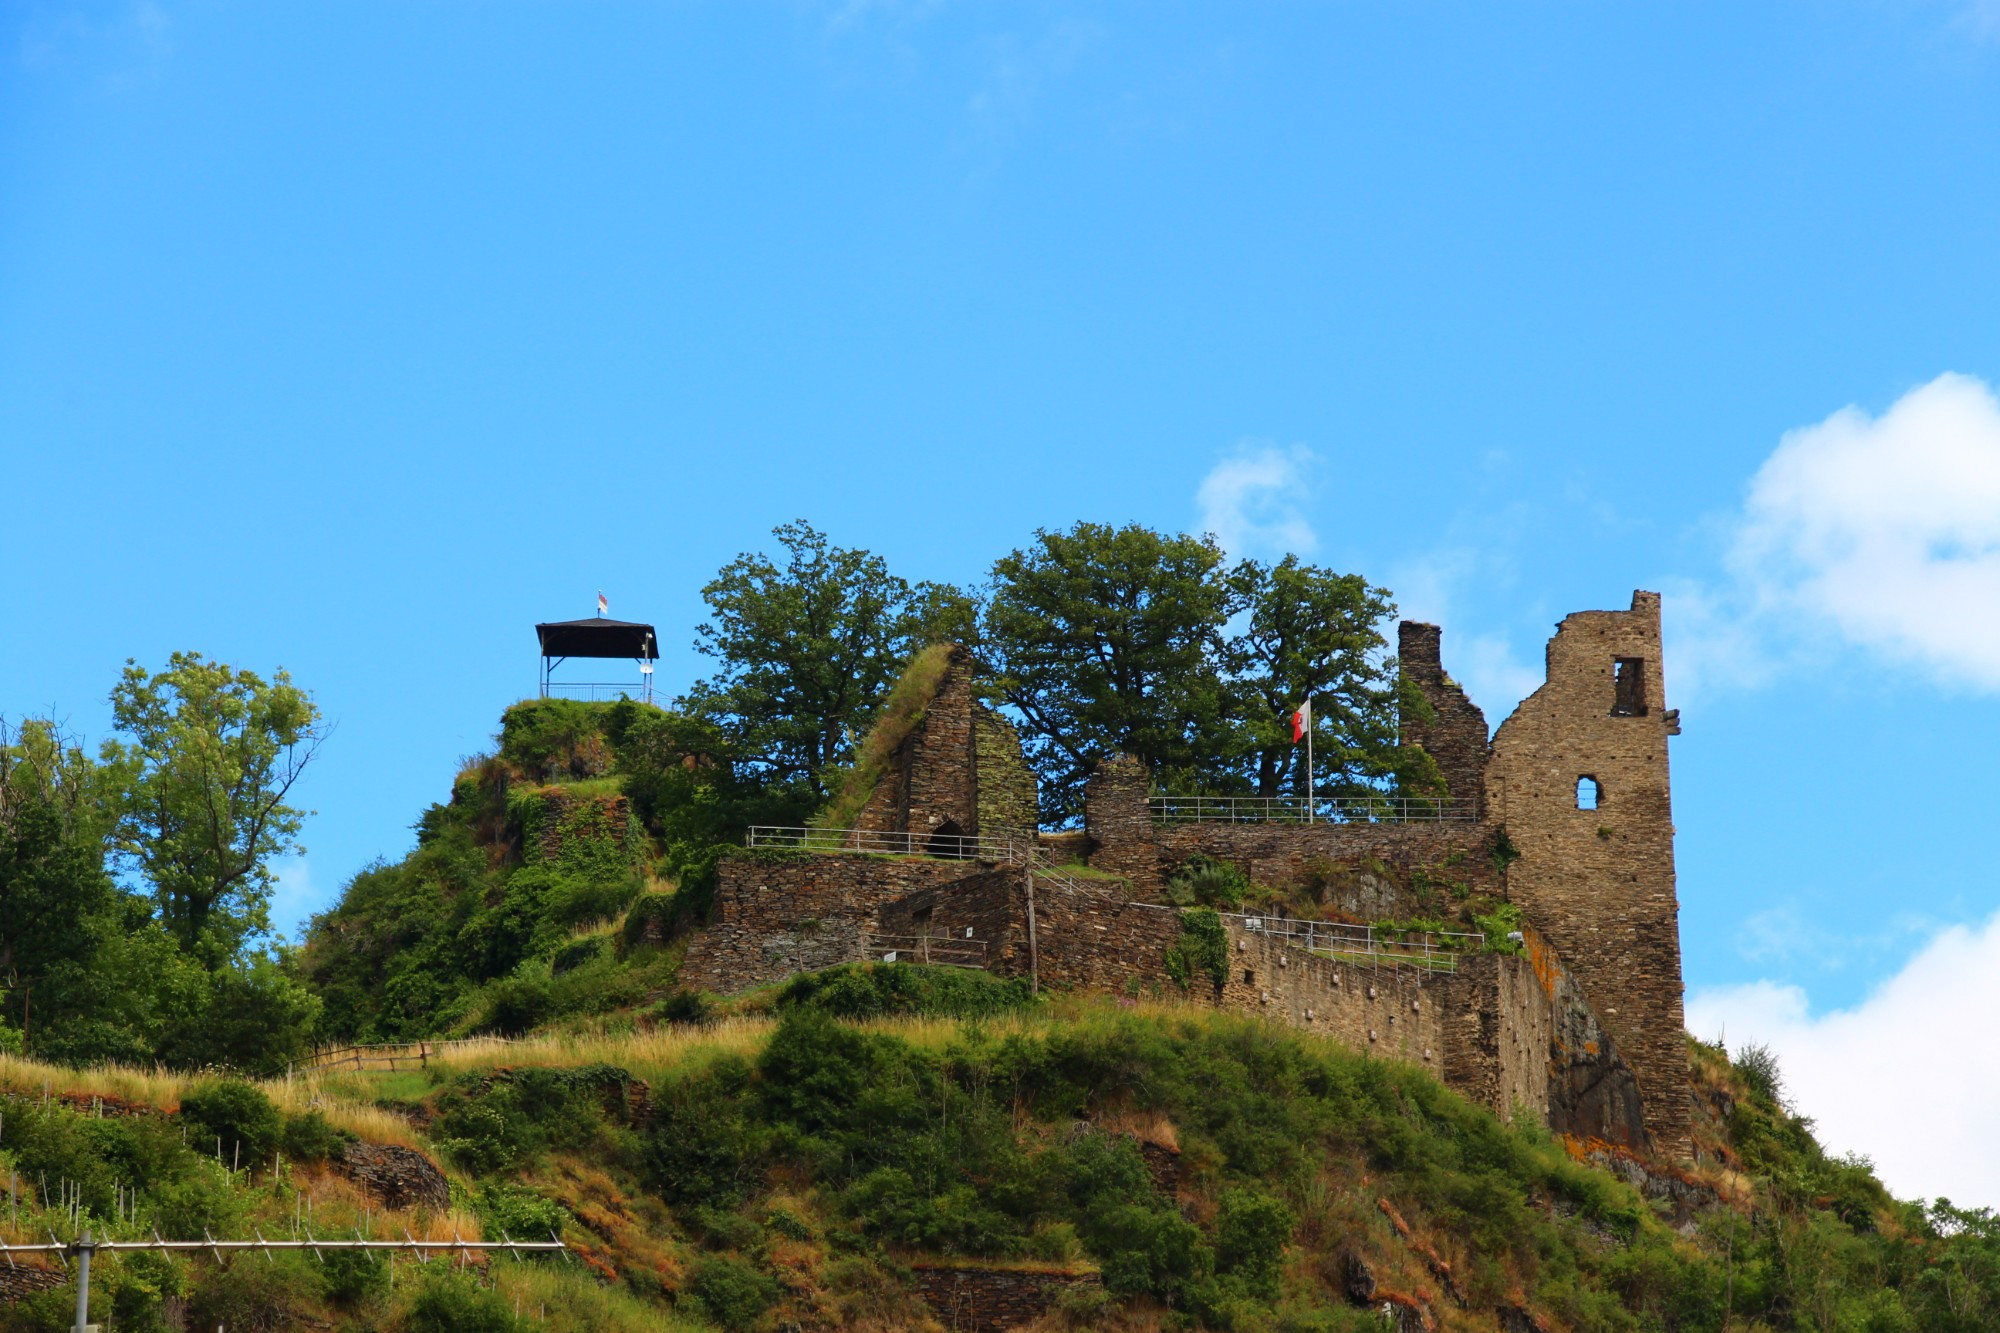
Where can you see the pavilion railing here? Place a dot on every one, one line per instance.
(1384, 809)
(596, 691)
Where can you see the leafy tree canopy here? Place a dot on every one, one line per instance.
(212, 757)
(808, 648)
(1108, 640)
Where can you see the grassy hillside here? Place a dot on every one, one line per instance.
(799, 1161)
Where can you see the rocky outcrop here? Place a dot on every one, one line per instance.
(979, 1300)
(399, 1177)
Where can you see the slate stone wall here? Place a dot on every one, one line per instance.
(1457, 737)
(1600, 883)
(783, 913)
(979, 1300)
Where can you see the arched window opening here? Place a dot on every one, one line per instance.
(1588, 793)
(949, 840)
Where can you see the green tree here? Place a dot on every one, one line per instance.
(808, 648)
(1309, 632)
(55, 896)
(1105, 640)
(212, 757)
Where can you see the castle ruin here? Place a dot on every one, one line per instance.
(1564, 812)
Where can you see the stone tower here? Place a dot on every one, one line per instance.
(1578, 780)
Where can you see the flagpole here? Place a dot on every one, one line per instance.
(1309, 759)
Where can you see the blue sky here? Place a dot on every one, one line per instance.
(357, 338)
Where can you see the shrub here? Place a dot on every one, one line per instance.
(731, 1292)
(687, 1007)
(451, 1303)
(238, 1115)
(576, 953)
(309, 1138)
(518, 1004)
(354, 1276)
(1251, 1231)
(1202, 950)
(873, 990)
(249, 1292)
(1203, 881)
(518, 1212)
(652, 916)
(1758, 1065)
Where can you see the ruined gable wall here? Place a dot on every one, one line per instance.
(1005, 784)
(941, 763)
(1600, 883)
(1457, 737)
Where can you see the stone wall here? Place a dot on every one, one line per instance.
(1392, 1012)
(1005, 784)
(776, 914)
(990, 905)
(1283, 854)
(978, 1300)
(1457, 737)
(1600, 883)
(1091, 936)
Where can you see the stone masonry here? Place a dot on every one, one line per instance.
(1599, 883)
(959, 772)
(1456, 737)
(1582, 1028)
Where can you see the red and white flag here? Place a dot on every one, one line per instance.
(602, 605)
(1302, 721)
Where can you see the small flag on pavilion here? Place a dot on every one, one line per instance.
(1302, 721)
(602, 605)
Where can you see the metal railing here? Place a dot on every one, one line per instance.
(1004, 849)
(944, 846)
(1369, 946)
(597, 691)
(1384, 809)
(1363, 945)
(942, 950)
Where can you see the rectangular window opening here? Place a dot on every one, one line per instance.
(1629, 688)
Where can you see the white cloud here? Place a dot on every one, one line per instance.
(1883, 529)
(1251, 501)
(1906, 1077)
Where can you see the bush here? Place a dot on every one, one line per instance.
(518, 1213)
(1201, 951)
(652, 916)
(1758, 1066)
(1203, 881)
(240, 1116)
(309, 1138)
(873, 990)
(731, 1292)
(354, 1276)
(518, 1004)
(684, 1006)
(576, 953)
(451, 1303)
(1251, 1232)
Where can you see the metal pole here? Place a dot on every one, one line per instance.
(1309, 759)
(83, 1249)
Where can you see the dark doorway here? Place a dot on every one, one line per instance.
(948, 840)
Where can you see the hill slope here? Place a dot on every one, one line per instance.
(803, 1164)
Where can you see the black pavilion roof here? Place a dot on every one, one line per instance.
(598, 637)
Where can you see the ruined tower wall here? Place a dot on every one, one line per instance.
(1457, 737)
(1600, 883)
